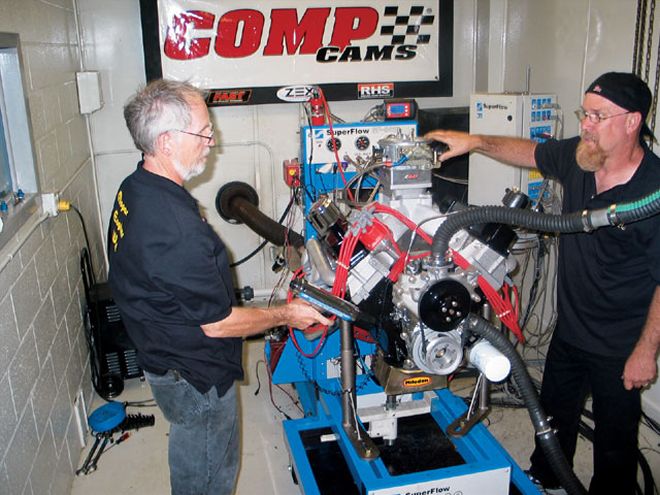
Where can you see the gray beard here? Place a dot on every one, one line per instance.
(589, 160)
(188, 173)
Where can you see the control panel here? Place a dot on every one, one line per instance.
(532, 116)
(539, 124)
(355, 143)
(352, 141)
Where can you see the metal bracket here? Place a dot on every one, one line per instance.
(360, 439)
(464, 423)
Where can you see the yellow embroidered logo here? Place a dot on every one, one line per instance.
(118, 226)
(120, 202)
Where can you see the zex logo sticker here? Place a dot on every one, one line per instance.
(295, 94)
(330, 34)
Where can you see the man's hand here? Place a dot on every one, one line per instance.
(458, 142)
(300, 314)
(641, 367)
(243, 322)
(640, 370)
(507, 149)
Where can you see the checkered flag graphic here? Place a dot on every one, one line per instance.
(407, 27)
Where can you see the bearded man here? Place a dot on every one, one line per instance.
(608, 330)
(171, 280)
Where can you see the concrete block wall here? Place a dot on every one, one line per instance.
(44, 360)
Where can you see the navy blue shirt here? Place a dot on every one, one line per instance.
(606, 278)
(169, 274)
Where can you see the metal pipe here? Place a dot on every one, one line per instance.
(390, 406)
(360, 440)
(347, 367)
(320, 261)
(484, 392)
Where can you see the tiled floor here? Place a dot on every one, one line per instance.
(139, 465)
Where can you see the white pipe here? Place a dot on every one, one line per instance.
(585, 55)
(97, 196)
(279, 294)
(118, 152)
(90, 143)
(475, 42)
(504, 44)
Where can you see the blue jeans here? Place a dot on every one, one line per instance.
(203, 443)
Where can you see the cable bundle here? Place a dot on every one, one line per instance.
(501, 303)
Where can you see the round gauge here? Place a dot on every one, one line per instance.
(333, 144)
(362, 143)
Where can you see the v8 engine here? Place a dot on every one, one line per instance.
(378, 256)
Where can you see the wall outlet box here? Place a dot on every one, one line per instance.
(49, 203)
(89, 91)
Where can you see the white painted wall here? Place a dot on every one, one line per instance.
(566, 44)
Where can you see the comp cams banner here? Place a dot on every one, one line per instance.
(275, 50)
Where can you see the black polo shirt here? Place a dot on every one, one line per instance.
(169, 274)
(606, 278)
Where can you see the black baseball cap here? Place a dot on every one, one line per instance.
(627, 91)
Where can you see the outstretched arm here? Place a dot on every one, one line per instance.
(641, 366)
(243, 322)
(514, 151)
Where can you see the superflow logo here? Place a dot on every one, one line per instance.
(355, 34)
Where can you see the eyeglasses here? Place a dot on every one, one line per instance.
(595, 118)
(208, 137)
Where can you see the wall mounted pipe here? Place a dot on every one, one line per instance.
(237, 202)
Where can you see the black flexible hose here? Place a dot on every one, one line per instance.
(586, 220)
(632, 212)
(572, 222)
(544, 432)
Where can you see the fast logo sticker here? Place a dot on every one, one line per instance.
(219, 97)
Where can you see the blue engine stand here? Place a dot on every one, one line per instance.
(318, 440)
(323, 456)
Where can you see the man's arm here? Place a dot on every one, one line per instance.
(641, 366)
(511, 150)
(243, 322)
